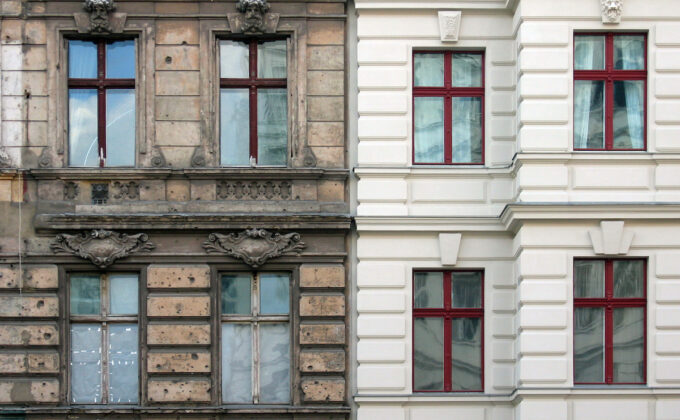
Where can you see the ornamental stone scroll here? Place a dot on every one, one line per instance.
(254, 246)
(101, 247)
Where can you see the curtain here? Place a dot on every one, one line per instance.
(466, 129)
(583, 59)
(631, 53)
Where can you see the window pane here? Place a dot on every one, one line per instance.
(466, 70)
(82, 127)
(274, 294)
(428, 354)
(629, 114)
(271, 60)
(85, 295)
(589, 52)
(236, 294)
(123, 294)
(86, 363)
(272, 126)
(629, 278)
(237, 363)
(629, 52)
(274, 363)
(588, 278)
(629, 340)
(234, 127)
(233, 59)
(429, 130)
(588, 114)
(589, 345)
(466, 354)
(120, 127)
(82, 59)
(467, 130)
(123, 364)
(429, 290)
(120, 60)
(466, 290)
(428, 69)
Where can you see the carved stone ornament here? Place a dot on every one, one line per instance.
(71, 190)
(101, 247)
(158, 159)
(5, 160)
(254, 246)
(126, 190)
(45, 159)
(198, 159)
(254, 18)
(449, 26)
(100, 18)
(611, 11)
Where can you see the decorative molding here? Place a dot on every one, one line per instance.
(611, 238)
(100, 18)
(126, 190)
(254, 190)
(198, 159)
(449, 245)
(5, 160)
(254, 246)
(611, 11)
(71, 190)
(45, 159)
(253, 18)
(449, 26)
(101, 247)
(158, 159)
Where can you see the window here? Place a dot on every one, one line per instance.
(253, 102)
(448, 108)
(448, 331)
(104, 357)
(101, 103)
(255, 338)
(609, 321)
(610, 85)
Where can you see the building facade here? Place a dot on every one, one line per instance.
(518, 191)
(175, 215)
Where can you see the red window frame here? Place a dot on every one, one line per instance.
(447, 313)
(609, 303)
(447, 92)
(101, 84)
(609, 76)
(253, 83)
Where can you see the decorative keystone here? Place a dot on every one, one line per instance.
(101, 247)
(449, 26)
(253, 18)
(611, 11)
(100, 18)
(254, 246)
(611, 239)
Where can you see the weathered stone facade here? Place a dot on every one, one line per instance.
(177, 194)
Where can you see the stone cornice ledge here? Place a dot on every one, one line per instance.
(437, 4)
(187, 173)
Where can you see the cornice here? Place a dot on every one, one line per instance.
(188, 173)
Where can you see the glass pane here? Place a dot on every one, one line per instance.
(120, 60)
(588, 279)
(467, 130)
(123, 364)
(236, 294)
(120, 127)
(234, 127)
(589, 52)
(589, 345)
(466, 70)
(429, 69)
(82, 60)
(233, 59)
(428, 354)
(272, 126)
(466, 354)
(271, 60)
(629, 279)
(629, 342)
(123, 294)
(237, 363)
(274, 363)
(466, 290)
(86, 363)
(588, 114)
(82, 127)
(629, 114)
(85, 295)
(429, 130)
(629, 52)
(274, 293)
(429, 290)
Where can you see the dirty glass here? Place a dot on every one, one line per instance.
(274, 363)
(588, 279)
(123, 296)
(429, 290)
(429, 129)
(123, 364)
(428, 358)
(85, 295)
(466, 290)
(86, 364)
(234, 127)
(274, 290)
(428, 69)
(629, 345)
(589, 345)
(466, 354)
(237, 363)
(272, 126)
(234, 59)
(271, 60)
(236, 294)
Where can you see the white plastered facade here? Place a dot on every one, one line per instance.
(523, 217)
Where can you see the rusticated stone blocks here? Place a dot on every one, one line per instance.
(34, 277)
(322, 334)
(28, 335)
(322, 361)
(186, 362)
(179, 390)
(323, 390)
(162, 276)
(176, 306)
(178, 334)
(322, 276)
(29, 306)
(322, 305)
(29, 391)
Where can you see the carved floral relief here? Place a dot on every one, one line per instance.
(254, 246)
(101, 247)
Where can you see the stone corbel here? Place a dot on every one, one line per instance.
(611, 238)
(449, 245)
(611, 11)
(449, 26)
(100, 18)
(254, 18)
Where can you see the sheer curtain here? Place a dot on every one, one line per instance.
(632, 52)
(583, 59)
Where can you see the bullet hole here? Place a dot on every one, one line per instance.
(194, 356)
(168, 60)
(41, 364)
(47, 336)
(310, 367)
(158, 366)
(165, 391)
(41, 303)
(191, 279)
(184, 43)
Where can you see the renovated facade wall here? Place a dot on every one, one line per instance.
(533, 208)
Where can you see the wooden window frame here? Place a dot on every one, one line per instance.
(447, 313)
(609, 303)
(447, 92)
(609, 75)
